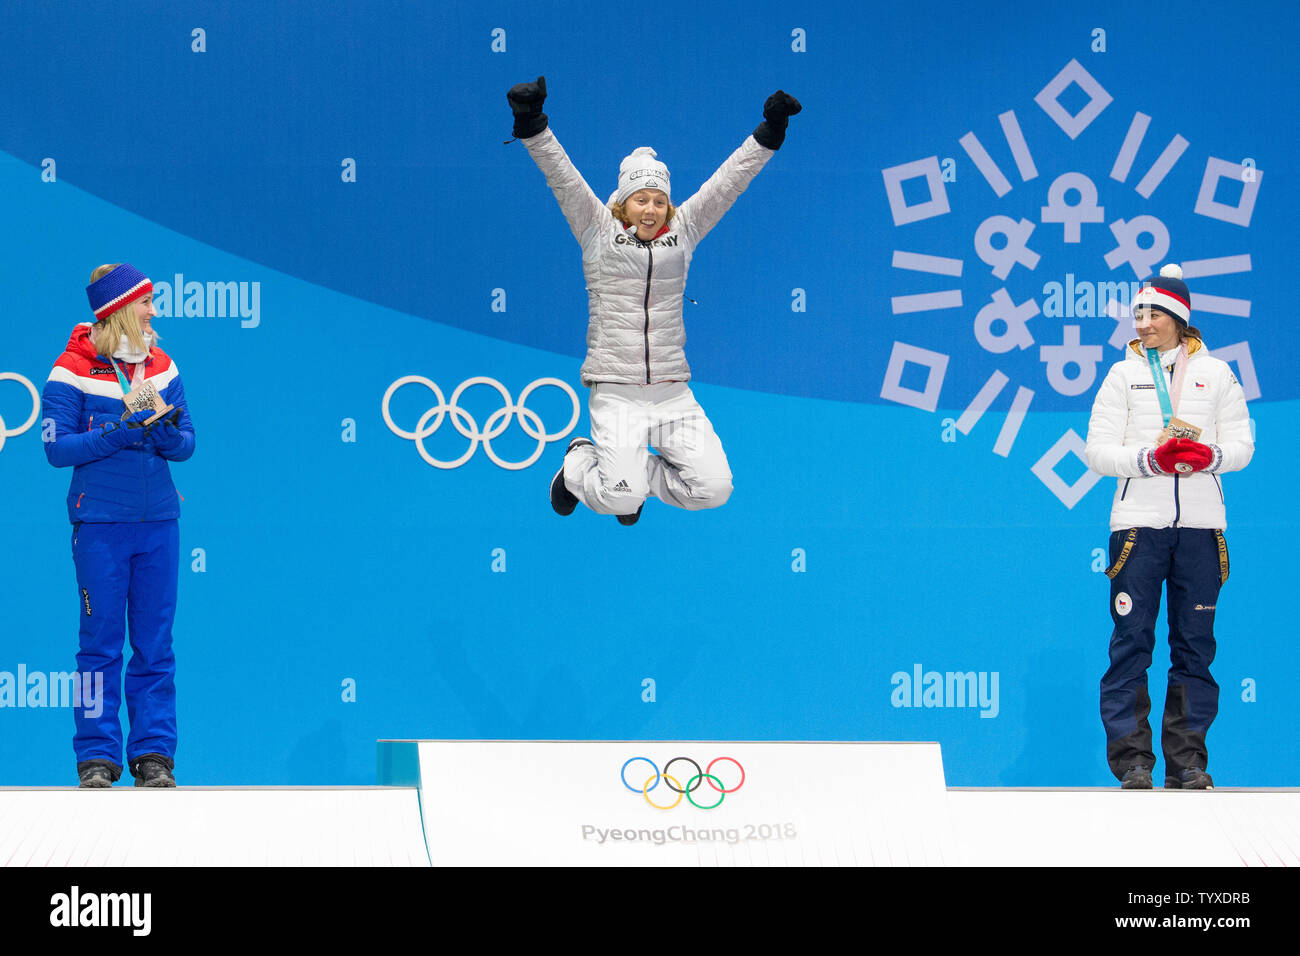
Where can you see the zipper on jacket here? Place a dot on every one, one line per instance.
(650, 268)
(1219, 486)
(1178, 507)
(1125, 491)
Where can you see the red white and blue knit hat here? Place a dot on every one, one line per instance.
(1168, 293)
(110, 292)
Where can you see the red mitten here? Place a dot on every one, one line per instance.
(1182, 456)
(1191, 455)
(1166, 456)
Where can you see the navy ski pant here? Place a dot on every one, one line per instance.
(1193, 561)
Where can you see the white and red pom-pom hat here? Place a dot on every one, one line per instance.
(115, 289)
(1166, 292)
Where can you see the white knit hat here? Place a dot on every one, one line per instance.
(641, 170)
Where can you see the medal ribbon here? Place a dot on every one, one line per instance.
(121, 377)
(1167, 407)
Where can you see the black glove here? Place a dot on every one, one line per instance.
(167, 438)
(131, 430)
(526, 101)
(778, 109)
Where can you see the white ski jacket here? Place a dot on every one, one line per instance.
(1126, 420)
(635, 334)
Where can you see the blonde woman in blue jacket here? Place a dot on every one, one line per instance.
(125, 536)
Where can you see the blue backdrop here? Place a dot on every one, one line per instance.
(324, 200)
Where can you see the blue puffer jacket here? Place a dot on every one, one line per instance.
(81, 395)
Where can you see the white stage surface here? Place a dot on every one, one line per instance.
(489, 803)
(211, 826)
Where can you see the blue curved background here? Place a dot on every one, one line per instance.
(865, 536)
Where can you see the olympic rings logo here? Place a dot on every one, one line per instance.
(5, 431)
(497, 422)
(693, 783)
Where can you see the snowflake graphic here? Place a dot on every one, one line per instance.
(1012, 248)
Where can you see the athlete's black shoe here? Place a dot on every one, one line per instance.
(153, 770)
(563, 501)
(632, 518)
(1137, 778)
(1191, 778)
(96, 774)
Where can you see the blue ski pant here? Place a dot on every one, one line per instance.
(126, 583)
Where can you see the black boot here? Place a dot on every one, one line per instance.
(153, 770)
(1190, 778)
(97, 774)
(563, 501)
(1137, 778)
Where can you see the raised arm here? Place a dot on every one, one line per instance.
(702, 211)
(582, 208)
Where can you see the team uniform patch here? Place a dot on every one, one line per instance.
(1123, 604)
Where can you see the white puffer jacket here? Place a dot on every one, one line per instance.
(635, 334)
(1126, 420)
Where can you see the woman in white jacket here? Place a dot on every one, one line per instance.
(636, 250)
(1166, 524)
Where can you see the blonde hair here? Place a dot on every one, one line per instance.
(106, 335)
(621, 214)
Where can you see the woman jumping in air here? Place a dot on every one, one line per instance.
(636, 250)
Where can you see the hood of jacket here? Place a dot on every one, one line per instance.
(82, 345)
(80, 342)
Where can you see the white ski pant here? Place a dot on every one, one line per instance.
(619, 473)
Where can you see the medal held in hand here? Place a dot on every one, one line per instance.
(143, 398)
(1177, 428)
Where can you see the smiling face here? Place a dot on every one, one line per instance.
(1156, 328)
(647, 209)
(144, 312)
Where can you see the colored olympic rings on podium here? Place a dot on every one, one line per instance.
(672, 783)
(465, 424)
(646, 788)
